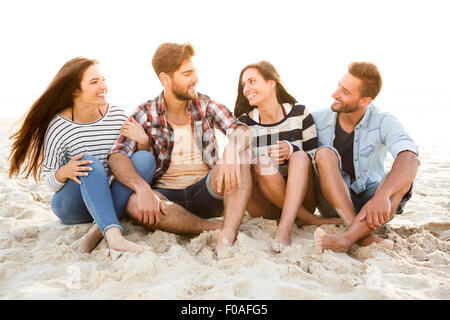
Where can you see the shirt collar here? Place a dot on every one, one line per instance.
(365, 119)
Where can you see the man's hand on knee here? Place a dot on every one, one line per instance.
(376, 211)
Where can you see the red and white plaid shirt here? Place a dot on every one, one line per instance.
(204, 115)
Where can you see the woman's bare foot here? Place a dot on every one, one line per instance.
(117, 242)
(325, 241)
(89, 241)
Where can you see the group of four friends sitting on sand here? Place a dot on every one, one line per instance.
(162, 167)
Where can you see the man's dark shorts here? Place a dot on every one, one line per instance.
(359, 200)
(198, 198)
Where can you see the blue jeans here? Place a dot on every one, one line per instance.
(94, 199)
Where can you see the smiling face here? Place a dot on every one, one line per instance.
(347, 97)
(93, 87)
(182, 82)
(255, 88)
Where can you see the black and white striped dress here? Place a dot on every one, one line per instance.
(297, 128)
(65, 139)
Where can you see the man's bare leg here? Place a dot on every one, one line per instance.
(305, 213)
(335, 190)
(235, 203)
(178, 220)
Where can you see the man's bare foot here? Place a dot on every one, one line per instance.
(388, 244)
(282, 241)
(117, 242)
(278, 247)
(325, 241)
(224, 243)
(89, 241)
(223, 249)
(318, 240)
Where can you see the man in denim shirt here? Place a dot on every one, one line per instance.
(354, 137)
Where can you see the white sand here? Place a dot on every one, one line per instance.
(36, 261)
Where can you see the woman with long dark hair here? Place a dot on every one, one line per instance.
(67, 134)
(283, 131)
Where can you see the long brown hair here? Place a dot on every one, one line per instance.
(28, 141)
(268, 72)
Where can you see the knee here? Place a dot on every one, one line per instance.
(299, 158)
(144, 162)
(143, 158)
(325, 156)
(96, 164)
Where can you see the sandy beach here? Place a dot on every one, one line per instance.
(37, 262)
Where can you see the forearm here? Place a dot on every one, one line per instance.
(142, 146)
(240, 140)
(142, 142)
(402, 174)
(123, 170)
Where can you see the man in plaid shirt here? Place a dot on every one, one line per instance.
(191, 181)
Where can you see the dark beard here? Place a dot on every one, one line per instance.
(346, 108)
(184, 96)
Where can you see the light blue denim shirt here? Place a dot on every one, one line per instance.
(375, 134)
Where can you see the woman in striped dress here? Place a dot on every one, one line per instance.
(283, 131)
(68, 132)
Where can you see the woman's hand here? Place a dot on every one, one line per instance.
(279, 152)
(73, 169)
(134, 131)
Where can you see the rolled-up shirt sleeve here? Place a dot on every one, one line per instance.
(223, 118)
(394, 135)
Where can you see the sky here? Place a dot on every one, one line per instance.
(310, 43)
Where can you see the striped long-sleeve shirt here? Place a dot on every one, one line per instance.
(65, 139)
(297, 128)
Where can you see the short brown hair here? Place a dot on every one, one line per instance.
(169, 57)
(370, 76)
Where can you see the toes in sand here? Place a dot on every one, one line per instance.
(318, 240)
